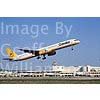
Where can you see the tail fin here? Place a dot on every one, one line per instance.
(11, 53)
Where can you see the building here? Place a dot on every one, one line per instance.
(57, 71)
(86, 70)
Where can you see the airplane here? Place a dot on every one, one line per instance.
(49, 50)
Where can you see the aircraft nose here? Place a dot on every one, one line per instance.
(78, 41)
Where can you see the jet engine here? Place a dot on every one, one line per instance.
(52, 53)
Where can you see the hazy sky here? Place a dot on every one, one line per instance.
(37, 31)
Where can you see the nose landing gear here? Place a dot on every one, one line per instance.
(72, 48)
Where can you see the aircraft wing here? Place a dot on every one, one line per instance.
(29, 51)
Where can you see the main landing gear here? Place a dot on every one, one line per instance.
(38, 57)
(42, 58)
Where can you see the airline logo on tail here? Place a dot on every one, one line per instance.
(11, 53)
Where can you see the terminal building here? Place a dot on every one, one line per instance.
(57, 71)
(86, 70)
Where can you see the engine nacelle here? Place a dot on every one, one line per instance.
(51, 53)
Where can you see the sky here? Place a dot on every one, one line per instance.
(30, 32)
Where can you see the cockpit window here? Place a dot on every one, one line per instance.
(75, 40)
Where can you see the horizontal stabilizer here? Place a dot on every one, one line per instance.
(7, 59)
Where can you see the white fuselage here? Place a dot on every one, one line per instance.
(24, 56)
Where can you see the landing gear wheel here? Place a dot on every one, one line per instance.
(43, 57)
(38, 57)
(72, 48)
